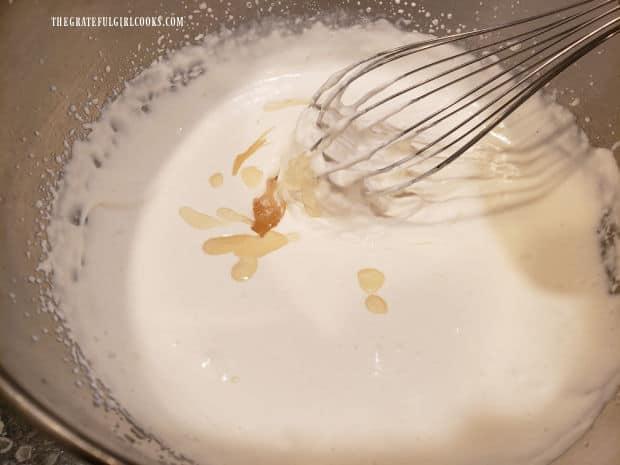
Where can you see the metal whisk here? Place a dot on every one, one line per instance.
(507, 65)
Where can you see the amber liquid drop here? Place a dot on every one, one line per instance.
(376, 304)
(268, 209)
(216, 180)
(198, 220)
(251, 176)
(286, 103)
(228, 214)
(243, 156)
(370, 279)
(248, 248)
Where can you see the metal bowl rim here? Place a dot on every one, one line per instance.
(76, 441)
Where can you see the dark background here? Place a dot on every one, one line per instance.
(26, 444)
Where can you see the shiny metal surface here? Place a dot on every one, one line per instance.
(37, 372)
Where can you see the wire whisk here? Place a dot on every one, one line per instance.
(432, 114)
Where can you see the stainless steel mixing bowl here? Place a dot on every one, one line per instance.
(45, 70)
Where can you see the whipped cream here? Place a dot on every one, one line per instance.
(502, 340)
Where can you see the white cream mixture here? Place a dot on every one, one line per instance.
(501, 343)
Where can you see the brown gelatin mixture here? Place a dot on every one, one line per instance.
(268, 209)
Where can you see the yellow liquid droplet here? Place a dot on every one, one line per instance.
(376, 304)
(247, 247)
(244, 269)
(198, 220)
(370, 279)
(251, 176)
(228, 214)
(286, 103)
(243, 156)
(216, 180)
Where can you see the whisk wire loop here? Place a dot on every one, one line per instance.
(520, 63)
